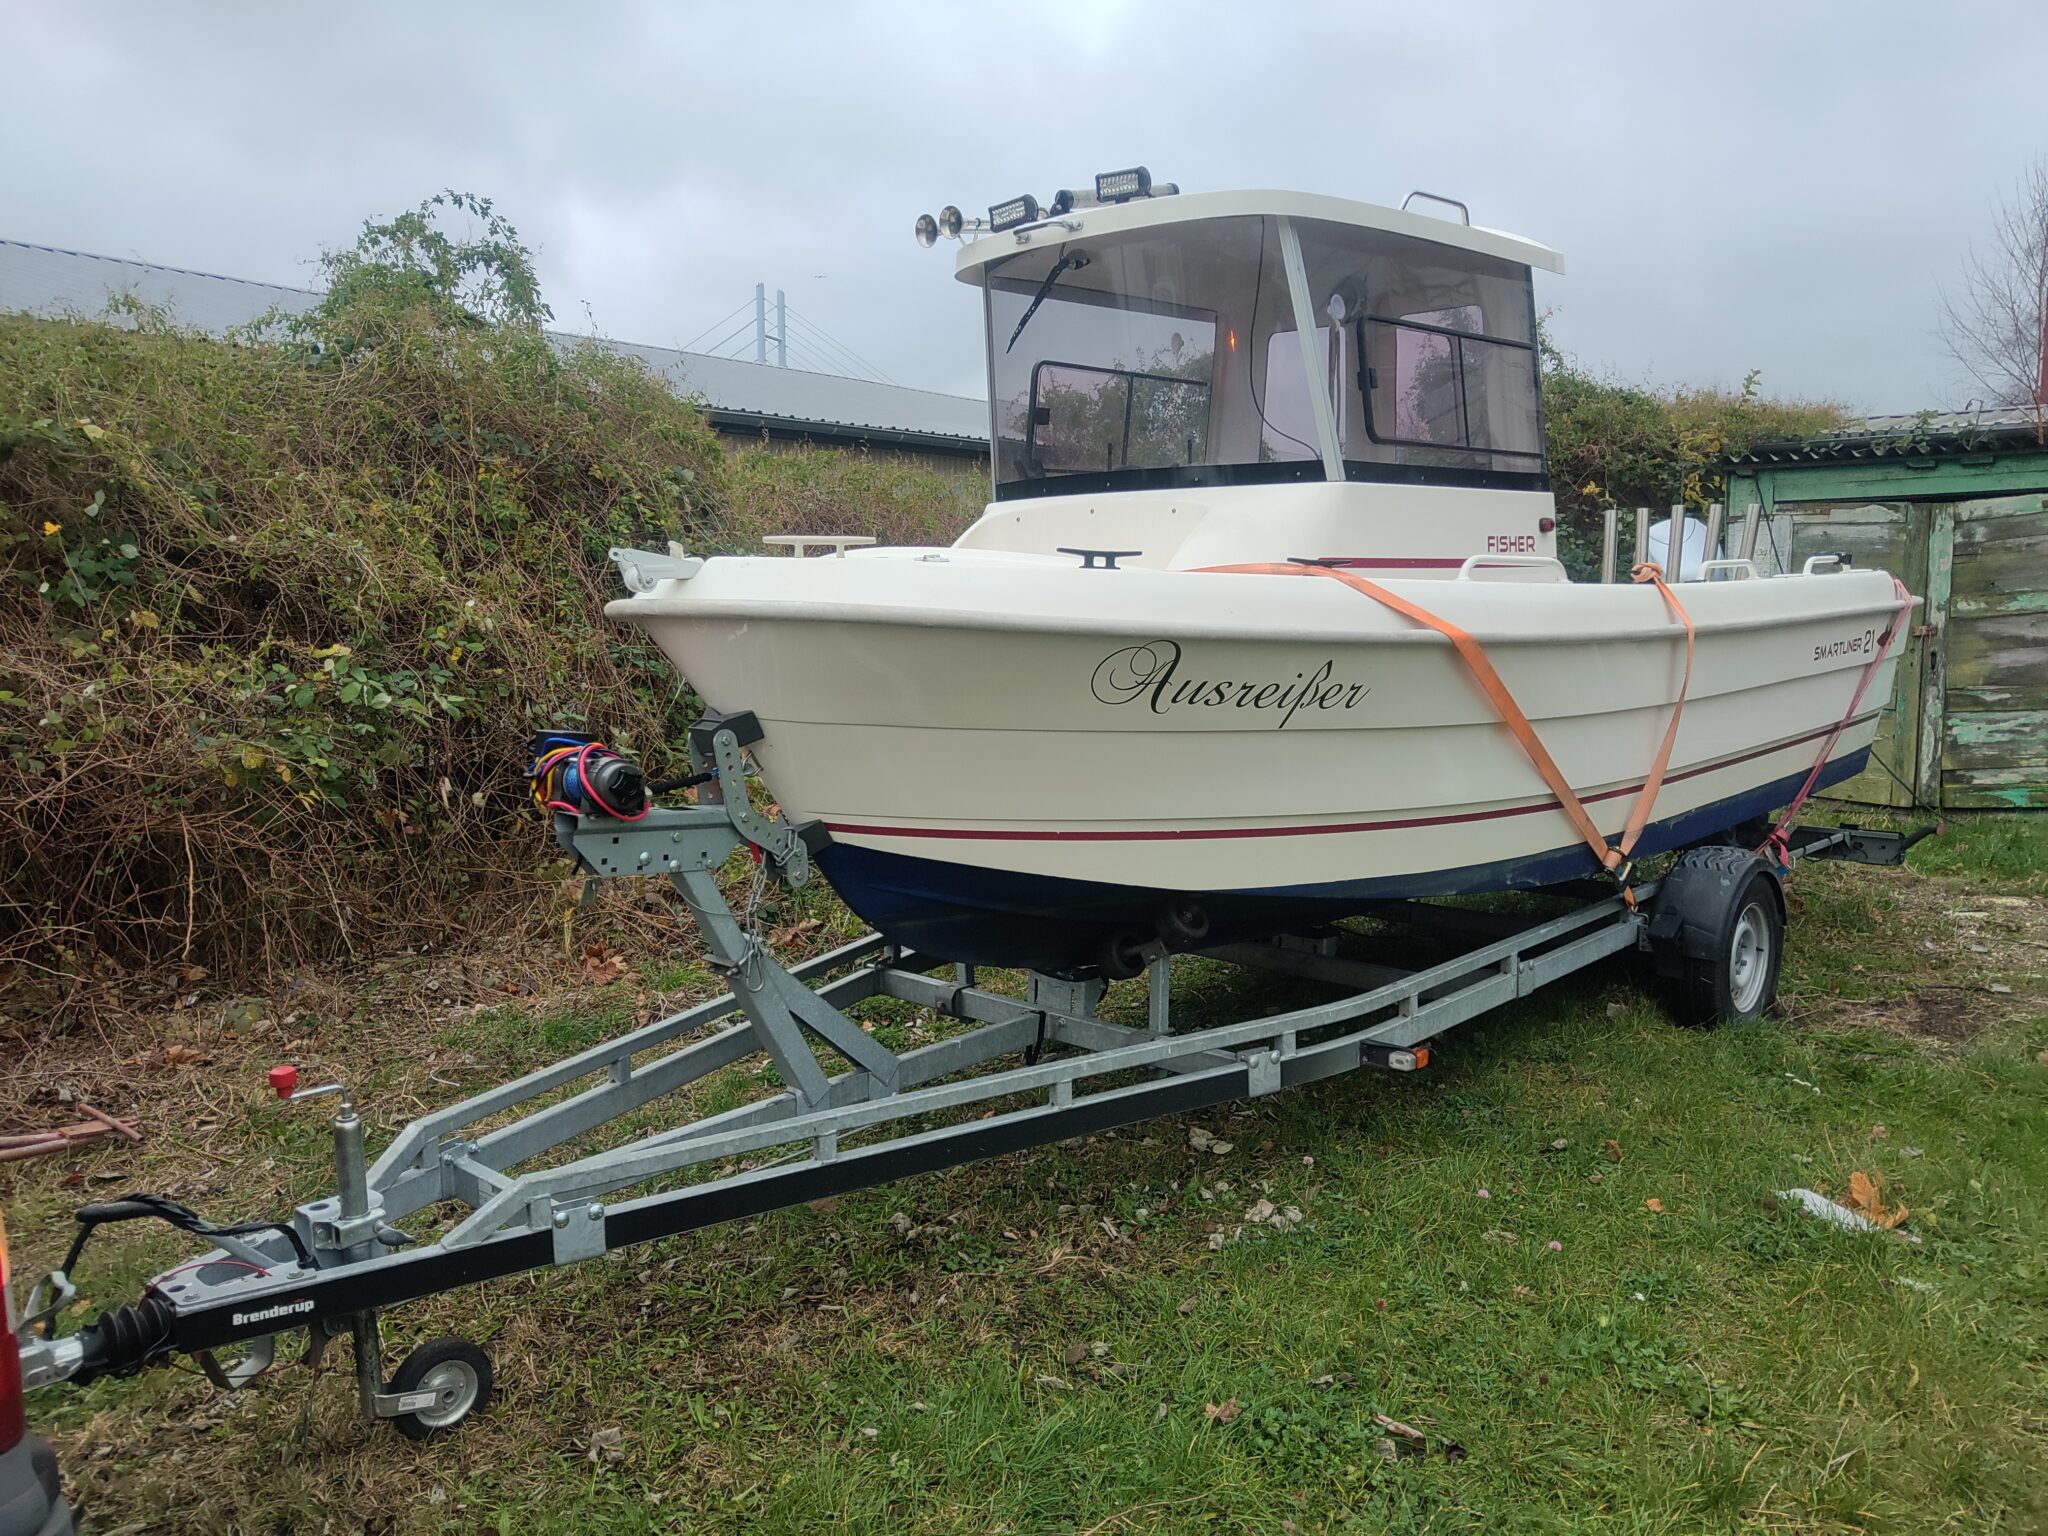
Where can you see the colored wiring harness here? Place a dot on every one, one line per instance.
(579, 775)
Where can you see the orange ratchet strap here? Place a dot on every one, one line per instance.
(1613, 858)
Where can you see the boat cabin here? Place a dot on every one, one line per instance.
(1219, 349)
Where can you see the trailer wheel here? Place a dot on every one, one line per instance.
(456, 1372)
(1718, 935)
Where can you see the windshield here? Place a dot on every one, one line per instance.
(1170, 356)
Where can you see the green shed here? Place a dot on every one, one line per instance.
(1956, 505)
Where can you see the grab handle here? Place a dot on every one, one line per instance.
(1747, 568)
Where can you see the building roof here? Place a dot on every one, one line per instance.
(1929, 434)
(59, 284)
(738, 396)
(1181, 208)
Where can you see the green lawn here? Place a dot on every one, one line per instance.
(1093, 1338)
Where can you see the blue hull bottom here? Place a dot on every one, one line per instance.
(1045, 923)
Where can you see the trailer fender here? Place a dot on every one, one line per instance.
(1695, 902)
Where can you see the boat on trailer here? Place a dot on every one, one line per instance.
(957, 718)
(1105, 717)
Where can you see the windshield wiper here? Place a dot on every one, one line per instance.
(1060, 268)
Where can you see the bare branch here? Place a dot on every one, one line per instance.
(1996, 322)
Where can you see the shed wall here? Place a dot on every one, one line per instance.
(1968, 726)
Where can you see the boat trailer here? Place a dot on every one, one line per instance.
(1035, 1068)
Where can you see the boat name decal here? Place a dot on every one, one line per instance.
(1150, 673)
(1864, 644)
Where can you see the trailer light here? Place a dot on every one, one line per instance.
(951, 222)
(1018, 210)
(1122, 186)
(927, 230)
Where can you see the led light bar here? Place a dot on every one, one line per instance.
(1018, 210)
(1122, 186)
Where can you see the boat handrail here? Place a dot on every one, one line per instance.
(1747, 568)
(1523, 561)
(1834, 561)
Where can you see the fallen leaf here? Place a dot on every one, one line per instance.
(184, 1056)
(1221, 1413)
(1866, 1199)
(1653, 1204)
(1611, 1150)
(1186, 1307)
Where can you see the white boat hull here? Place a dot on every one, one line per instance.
(1010, 765)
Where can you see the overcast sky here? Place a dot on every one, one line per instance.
(1781, 185)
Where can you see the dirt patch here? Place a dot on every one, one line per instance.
(1942, 1014)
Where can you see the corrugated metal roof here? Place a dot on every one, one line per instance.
(739, 393)
(1926, 434)
(46, 280)
(56, 283)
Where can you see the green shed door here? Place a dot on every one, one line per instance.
(1995, 745)
(1890, 536)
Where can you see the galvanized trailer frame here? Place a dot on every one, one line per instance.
(338, 1263)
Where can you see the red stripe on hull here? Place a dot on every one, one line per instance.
(1147, 835)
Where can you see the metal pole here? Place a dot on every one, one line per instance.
(1714, 531)
(352, 1186)
(1642, 534)
(781, 331)
(1674, 545)
(760, 322)
(1610, 539)
(1749, 531)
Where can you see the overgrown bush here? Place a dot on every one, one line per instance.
(279, 613)
(898, 500)
(1626, 445)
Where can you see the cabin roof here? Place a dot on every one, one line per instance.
(1184, 208)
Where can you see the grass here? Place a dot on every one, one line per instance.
(1093, 1338)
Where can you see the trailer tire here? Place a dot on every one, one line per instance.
(456, 1371)
(1718, 935)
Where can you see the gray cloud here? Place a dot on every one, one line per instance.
(1775, 186)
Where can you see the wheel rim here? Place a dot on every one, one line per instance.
(1749, 958)
(454, 1386)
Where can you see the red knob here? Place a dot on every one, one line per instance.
(284, 1081)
